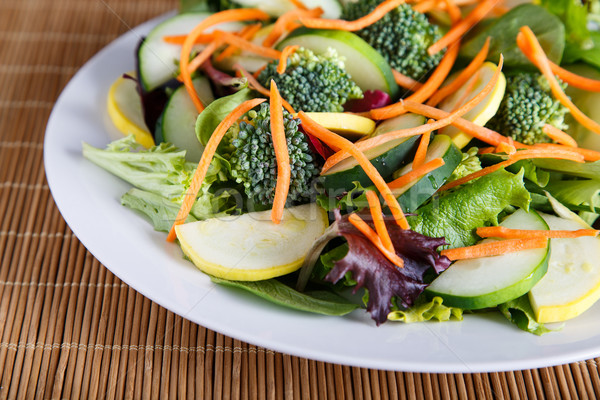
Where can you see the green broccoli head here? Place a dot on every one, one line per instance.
(253, 161)
(313, 83)
(528, 105)
(402, 37)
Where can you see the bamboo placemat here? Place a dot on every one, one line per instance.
(71, 329)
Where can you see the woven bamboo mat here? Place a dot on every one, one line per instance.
(70, 329)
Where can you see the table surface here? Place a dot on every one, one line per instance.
(71, 329)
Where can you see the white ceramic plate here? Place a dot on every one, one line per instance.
(88, 198)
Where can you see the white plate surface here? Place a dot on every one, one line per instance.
(88, 198)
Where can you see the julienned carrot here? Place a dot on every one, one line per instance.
(241, 14)
(495, 248)
(379, 12)
(284, 21)
(462, 27)
(378, 221)
(204, 55)
(282, 156)
(436, 79)
(588, 155)
(406, 82)
(559, 136)
(505, 148)
(416, 173)
(518, 156)
(246, 33)
(529, 44)
(425, 6)
(366, 230)
(179, 39)
(421, 152)
(508, 233)
(299, 4)
(204, 164)
(246, 45)
(285, 54)
(331, 139)
(462, 77)
(254, 84)
(453, 11)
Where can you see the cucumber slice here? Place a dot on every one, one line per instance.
(489, 281)
(177, 124)
(387, 157)
(157, 59)
(275, 8)
(365, 65)
(414, 194)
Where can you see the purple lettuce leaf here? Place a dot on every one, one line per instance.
(371, 99)
(383, 280)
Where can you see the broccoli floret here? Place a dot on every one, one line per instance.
(402, 37)
(528, 105)
(253, 161)
(313, 83)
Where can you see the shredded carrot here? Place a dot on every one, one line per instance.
(575, 80)
(505, 148)
(495, 248)
(379, 12)
(298, 4)
(285, 20)
(462, 27)
(241, 14)
(285, 54)
(378, 221)
(462, 77)
(416, 173)
(508, 233)
(281, 154)
(254, 84)
(518, 156)
(487, 150)
(337, 141)
(406, 81)
(370, 234)
(529, 44)
(204, 55)
(421, 153)
(179, 39)
(436, 79)
(559, 136)
(246, 45)
(247, 33)
(588, 155)
(425, 6)
(204, 164)
(453, 11)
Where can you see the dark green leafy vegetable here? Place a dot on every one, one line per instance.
(588, 55)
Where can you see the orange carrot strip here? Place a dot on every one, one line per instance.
(299, 4)
(285, 20)
(285, 54)
(281, 154)
(528, 43)
(406, 81)
(494, 248)
(416, 173)
(505, 148)
(487, 150)
(462, 27)
(246, 45)
(518, 156)
(559, 136)
(421, 153)
(204, 164)
(588, 155)
(379, 12)
(366, 230)
(425, 6)
(337, 141)
(186, 48)
(508, 233)
(378, 221)
(453, 11)
(436, 79)
(462, 77)
(204, 55)
(254, 84)
(179, 39)
(247, 33)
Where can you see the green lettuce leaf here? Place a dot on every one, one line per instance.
(354, 200)
(426, 311)
(455, 215)
(590, 170)
(159, 210)
(520, 313)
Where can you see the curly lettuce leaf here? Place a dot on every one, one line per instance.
(353, 200)
(520, 313)
(457, 214)
(426, 311)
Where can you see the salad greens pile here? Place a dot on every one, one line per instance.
(242, 176)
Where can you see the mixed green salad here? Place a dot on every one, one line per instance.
(424, 162)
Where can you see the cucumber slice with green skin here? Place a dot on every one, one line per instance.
(365, 65)
(177, 124)
(488, 281)
(157, 59)
(414, 194)
(332, 9)
(387, 157)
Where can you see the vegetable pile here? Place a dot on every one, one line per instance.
(436, 157)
